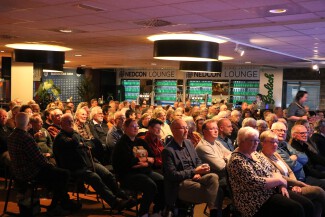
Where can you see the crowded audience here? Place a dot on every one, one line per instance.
(172, 154)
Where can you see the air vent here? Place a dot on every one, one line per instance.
(7, 36)
(89, 7)
(153, 23)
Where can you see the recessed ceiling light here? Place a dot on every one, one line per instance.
(2, 51)
(278, 11)
(78, 55)
(67, 61)
(83, 65)
(315, 51)
(248, 62)
(65, 30)
(194, 37)
(37, 46)
(225, 58)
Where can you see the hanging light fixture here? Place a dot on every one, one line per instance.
(186, 47)
(196, 66)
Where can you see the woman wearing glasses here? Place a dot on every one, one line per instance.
(269, 141)
(132, 160)
(257, 189)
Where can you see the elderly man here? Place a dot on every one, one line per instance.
(5, 131)
(42, 137)
(225, 130)
(185, 176)
(72, 153)
(55, 128)
(29, 164)
(97, 127)
(116, 132)
(235, 117)
(298, 142)
(297, 161)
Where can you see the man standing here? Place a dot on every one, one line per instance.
(225, 130)
(29, 164)
(235, 119)
(185, 176)
(72, 153)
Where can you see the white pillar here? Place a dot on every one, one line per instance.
(22, 81)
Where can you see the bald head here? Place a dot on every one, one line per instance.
(67, 122)
(22, 120)
(179, 129)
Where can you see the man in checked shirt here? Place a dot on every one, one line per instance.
(29, 164)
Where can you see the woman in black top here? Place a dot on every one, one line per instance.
(132, 160)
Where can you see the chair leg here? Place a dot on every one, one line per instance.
(7, 197)
(205, 210)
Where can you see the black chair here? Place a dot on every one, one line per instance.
(26, 209)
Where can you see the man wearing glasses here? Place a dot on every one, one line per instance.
(296, 160)
(185, 176)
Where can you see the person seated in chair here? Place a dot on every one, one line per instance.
(269, 141)
(132, 160)
(72, 152)
(42, 137)
(258, 188)
(5, 131)
(185, 176)
(152, 138)
(29, 164)
(55, 128)
(214, 153)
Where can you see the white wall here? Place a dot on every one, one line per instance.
(22, 81)
(277, 84)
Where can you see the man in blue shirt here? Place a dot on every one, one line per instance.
(225, 130)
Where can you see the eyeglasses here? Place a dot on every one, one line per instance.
(301, 133)
(280, 130)
(182, 128)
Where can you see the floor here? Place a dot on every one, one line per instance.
(90, 206)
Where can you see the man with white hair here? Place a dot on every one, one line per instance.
(55, 128)
(235, 117)
(115, 133)
(296, 160)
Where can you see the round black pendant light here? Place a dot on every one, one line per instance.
(186, 50)
(200, 66)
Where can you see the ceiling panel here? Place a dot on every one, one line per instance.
(106, 33)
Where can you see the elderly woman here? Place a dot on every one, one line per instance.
(132, 161)
(165, 129)
(269, 141)
(192, 135)
(258, 190)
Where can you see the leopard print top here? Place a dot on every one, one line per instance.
(247, 180)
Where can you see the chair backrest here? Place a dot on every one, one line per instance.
(168, 139)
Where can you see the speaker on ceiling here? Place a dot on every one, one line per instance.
(6, 67)
(80, 70)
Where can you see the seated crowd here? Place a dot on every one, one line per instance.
(269, 164)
